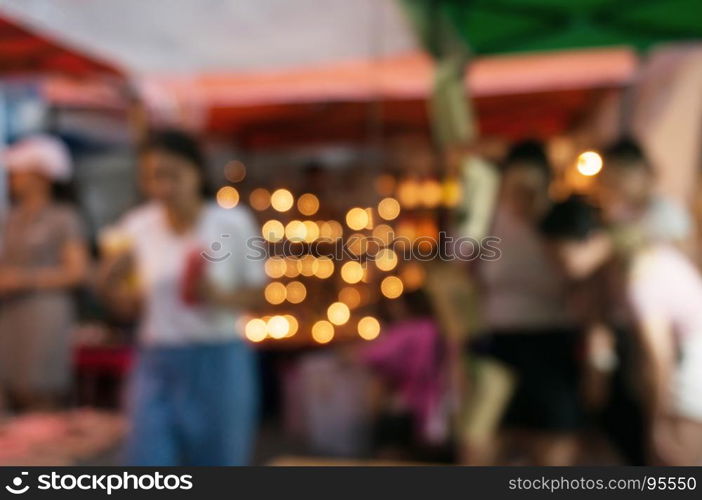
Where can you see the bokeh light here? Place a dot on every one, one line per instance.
(384, 234)
(408, 193)
(368, 328)
(235, 171)
(322, 331)
(325, 229)
(357, 218)
(275, 293)
(325, 268)
(308, 265)
(451, 192)
(308, 204)
(350, 296)
(227, 197)
(413, 275)
(277, 327)
(589, 163)
(292, 324)
(386, 259)
(296, 231)
(431, 193)
(260, 199)
(338, 313)
(391, 287)
(282, 200)
(295, 292)
(352, 272)
(312, 231)
(330, 230)
(292, 267)
(275, 267)
(255, 330)
(389, 208)
(367, 273)
(337, 231)
(371, 218)
(273, 231)
(357, 243)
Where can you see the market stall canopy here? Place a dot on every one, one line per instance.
(23, 51)
(406, 76)
(221, 36)
(500, 26)
(238, 65)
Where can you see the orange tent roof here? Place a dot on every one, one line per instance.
(404, 77)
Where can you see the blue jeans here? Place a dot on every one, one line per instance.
(193, 405)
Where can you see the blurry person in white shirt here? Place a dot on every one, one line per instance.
(193, 395)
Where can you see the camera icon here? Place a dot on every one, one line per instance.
(16, 488)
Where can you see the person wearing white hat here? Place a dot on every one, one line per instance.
(43, 256)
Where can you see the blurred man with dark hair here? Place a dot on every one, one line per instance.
(626, 191)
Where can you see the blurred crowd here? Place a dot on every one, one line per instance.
(580, 341)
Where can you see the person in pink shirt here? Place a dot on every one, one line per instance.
(407, 357)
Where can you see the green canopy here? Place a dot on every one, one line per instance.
(498, 26)
(453, 30)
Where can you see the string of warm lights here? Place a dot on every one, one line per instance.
(298, 281)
